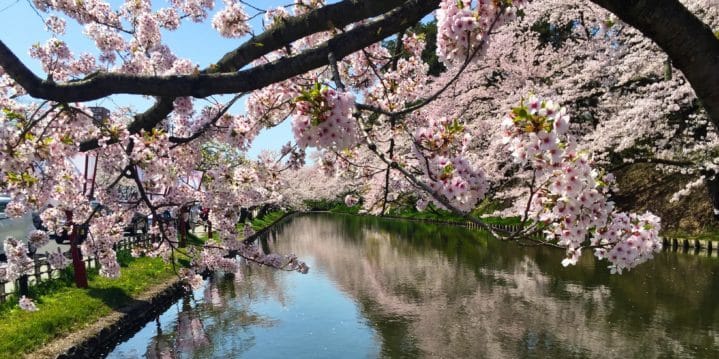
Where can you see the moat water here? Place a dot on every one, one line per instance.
(387, 288)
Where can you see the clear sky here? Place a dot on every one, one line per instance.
(21, 27)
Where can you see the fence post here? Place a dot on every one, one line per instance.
(38, 274)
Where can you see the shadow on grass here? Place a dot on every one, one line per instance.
(115, 298)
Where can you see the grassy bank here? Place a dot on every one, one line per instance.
(63, 308)
(430, 213)
(705, 233)
(642, 187)
(268, 219)
(257, 224)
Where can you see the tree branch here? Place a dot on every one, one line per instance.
(210, 83)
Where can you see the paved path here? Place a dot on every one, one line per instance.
(19, 228)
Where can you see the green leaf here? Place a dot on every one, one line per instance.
(12, 115)
(522, 112)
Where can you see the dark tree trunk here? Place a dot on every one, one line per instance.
(245, 215)
(23, 286)
(263, 211)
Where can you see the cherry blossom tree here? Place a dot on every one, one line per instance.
(629, 104)
(366, 109)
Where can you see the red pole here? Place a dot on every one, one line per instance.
(183, 228)
(77, 264)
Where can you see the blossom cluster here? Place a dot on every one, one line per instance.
(462, 25)
(323, 119)
(37, 239)
(18, 262)
(571, 198)
(393, 90)
(27, 304)
(106, 232)
(231, 21)
(57, 260)
(253, 253)
(440, 149)
(634, 238)
(351, 200)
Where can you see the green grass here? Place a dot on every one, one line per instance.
(430, 213)
(502, 220)
(63, 308)
(266, 220)
(708, 233)
(441, 215)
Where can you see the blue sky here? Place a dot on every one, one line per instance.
(21, 27)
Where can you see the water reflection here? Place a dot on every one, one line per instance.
(419, 290)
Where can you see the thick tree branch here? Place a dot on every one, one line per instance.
(288, 31)
(292, 29)
(206, 84)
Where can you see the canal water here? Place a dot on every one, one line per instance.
(387, 288)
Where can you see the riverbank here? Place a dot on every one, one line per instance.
(674, 238)
(66, 310)
(99, 337)
(73, 322)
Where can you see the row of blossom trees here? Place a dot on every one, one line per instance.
(379, 121)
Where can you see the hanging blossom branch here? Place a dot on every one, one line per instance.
(424, 102)
(420, 184)
(182, 140)
(277, 37)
